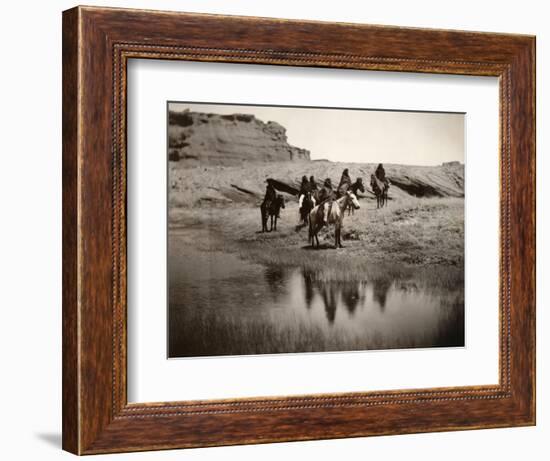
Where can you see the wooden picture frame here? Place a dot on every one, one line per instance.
(97, 43)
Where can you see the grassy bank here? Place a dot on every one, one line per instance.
(423, 238)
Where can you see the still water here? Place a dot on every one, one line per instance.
(220, 304)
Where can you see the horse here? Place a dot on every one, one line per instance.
(357, 185)
(306, 204)
(380, 189)
(336, 217)
(270, 209)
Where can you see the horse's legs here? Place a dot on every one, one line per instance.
(338, 233)
(262, 217)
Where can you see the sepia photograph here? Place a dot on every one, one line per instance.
(313, 229)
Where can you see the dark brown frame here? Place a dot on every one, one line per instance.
(97, 43)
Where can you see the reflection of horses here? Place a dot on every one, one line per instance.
(275, 278)
(380, 292)
(380, 189)
(306, 204)
(356, 186)
(328, 294)
(309, 292)
(335, 216)
(334, 295)
(270, 209)
(351, 296)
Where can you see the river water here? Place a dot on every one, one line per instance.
(220, 304)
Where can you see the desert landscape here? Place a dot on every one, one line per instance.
(233, 289)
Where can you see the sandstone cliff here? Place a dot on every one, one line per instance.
(198, 138)
(226, 185)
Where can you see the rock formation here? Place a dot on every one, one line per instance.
(226, 185)
(198, 138)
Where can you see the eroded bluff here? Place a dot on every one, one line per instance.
(198, 138)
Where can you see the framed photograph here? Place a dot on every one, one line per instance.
(282, 230)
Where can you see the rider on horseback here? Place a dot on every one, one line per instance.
(326, 195)
(312, 183)
(270, 192)
(345, 181)
(270, 195)
(380, 173)
(305, 189)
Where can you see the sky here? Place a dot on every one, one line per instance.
(363, 136)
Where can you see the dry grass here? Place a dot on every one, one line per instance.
(214, 332)
(420, 238)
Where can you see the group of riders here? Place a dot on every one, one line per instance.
(326, 194)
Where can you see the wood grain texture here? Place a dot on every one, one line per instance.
(97, 44)
(70, 384)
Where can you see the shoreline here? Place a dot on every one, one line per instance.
(422, 239)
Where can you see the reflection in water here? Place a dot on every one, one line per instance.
(275, 278)
(328, 293)
(332, 294)
(220, 304)
(380, 292)
(351, 296)
(308, 289)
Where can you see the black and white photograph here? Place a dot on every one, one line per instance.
(305, 229)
